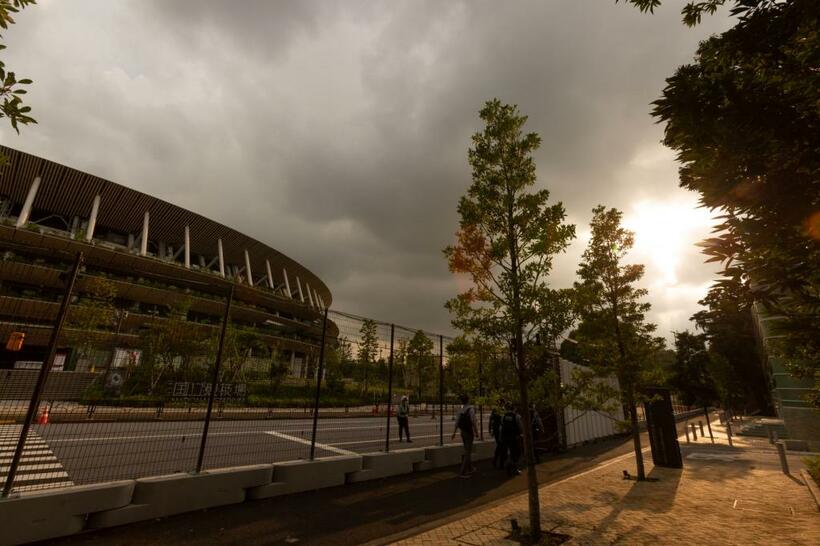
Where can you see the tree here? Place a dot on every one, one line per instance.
(11, 91)
(92, 317)
(368, 349)
(728, 325)
(507, 237)
(692, 375)
(744, 121)
(420, 357)
(613, 335)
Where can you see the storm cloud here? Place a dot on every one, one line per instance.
(337, 132)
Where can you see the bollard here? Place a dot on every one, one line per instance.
(694, 432)
(700, 425)
(769, 433)
(729, 432)
(686, 431)
(781, 452)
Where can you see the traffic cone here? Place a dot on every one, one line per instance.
(43, 419)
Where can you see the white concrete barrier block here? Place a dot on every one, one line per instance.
(382, 465)
(177, 493)
(43, 515)
(483, 449)
(442, 456)
(298, 476)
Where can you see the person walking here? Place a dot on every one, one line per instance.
(402, 415)
(511, 431)
(466, 424)
(500, 454)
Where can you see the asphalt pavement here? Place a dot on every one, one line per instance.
(90, 452)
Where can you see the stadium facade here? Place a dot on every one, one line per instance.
(154, 254)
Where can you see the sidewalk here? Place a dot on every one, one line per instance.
(723, 495)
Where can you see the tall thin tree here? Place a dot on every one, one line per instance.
(507, 237)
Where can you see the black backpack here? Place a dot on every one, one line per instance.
(464, 422)
(509, 426)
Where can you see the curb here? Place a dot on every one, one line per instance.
(813, 488)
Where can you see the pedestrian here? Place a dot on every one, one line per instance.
(466, 424)
(401, 416)
(511, 431)
(537, 428)
(500, 454)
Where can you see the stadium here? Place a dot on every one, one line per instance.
(155, 259)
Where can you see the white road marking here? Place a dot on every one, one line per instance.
(326, 447)
(380, 441)
(39, 468)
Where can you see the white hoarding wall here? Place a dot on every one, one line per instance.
(584, 426)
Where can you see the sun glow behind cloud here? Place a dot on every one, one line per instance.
(665, 232)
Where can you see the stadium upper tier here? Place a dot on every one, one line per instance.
(113, 223)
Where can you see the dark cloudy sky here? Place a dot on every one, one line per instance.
(337, 132)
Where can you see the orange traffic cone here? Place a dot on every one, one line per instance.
(43, 419)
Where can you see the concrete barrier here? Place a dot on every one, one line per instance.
(483, 449)
(441, 456)
(177, 493)
(298, 476)
(50, 514)
(383, 465)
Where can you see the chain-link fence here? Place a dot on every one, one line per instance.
(148, 375)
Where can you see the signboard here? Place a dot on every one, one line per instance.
(186, 390)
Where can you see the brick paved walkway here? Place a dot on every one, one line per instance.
(722, 496)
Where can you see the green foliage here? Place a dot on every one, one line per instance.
(507, 237)
(813, 466)
(727, 323)
(694, 11)
(11, 90)
(92, 315)
(613, 336)
(420, 361)
(743, 118)
(692, 375)
(368, 349)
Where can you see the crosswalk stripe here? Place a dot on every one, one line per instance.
(39, 468)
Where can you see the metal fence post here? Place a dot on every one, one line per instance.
(481, 398)
(214, 381)
(45, 368)
(318, 387)
(390, 390)
(708, 424)
(441, 390)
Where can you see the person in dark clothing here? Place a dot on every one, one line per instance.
(511, 431)
(402, 415)
(500, 455)
(466, 425)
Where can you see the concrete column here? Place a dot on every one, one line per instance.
(221, 257)
(22, 220)
(248, 272)
(92, 220)
(187, 247)
(270, 275)
(299, 286)
(310, 297)
(144, 239)
(287, 283)
(316, 298)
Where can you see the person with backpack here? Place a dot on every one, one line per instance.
(511, 430)
(402, 414)
(466, 424)
(500, 454)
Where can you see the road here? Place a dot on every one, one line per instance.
(60, 454)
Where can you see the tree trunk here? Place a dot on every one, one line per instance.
(636, 438)
(529, 451)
